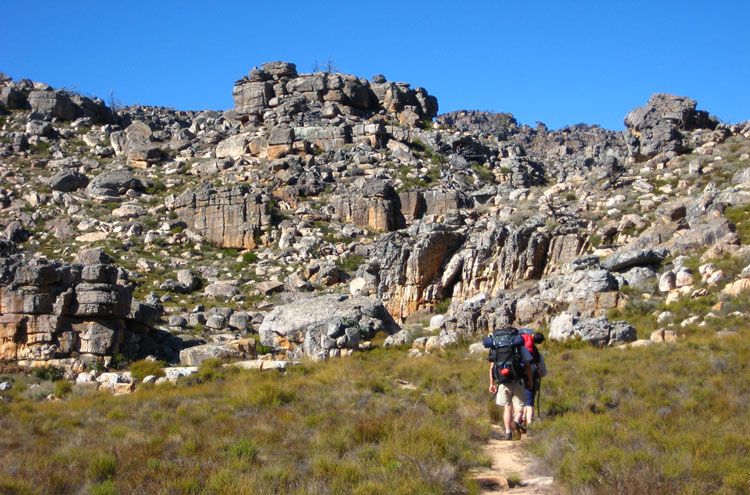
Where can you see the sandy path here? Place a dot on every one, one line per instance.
(511, 465)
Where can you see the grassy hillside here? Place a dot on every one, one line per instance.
(376, 423)
(669, 418)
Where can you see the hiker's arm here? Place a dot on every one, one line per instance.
(492, 384)
(529, 375)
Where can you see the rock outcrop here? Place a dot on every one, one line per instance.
(656, 127)
(325, 326)
(53, 310)
(378, 208)
(327, 179)
(597, 331)
(232, 217)
(277, 85)
(414, 269)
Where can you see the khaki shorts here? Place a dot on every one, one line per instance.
(511, 391)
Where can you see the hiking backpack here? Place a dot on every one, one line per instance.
(530, 340)
(505, 354)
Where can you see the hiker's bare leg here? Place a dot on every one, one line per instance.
(518, 416)
(529, 414)
(507, 413)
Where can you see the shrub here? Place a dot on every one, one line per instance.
(249, 257)
(483, 172)
(49, 372)
(63, 388)
(41, 148)
(210, 369)
(104, 488)
(155, 187)
(142, 369)
(244, 449)
(349, 263)
(740, 217)
(441, 307)
(14, 487)
(119, 362)
(271, 395)
(101, 468)
(260, 348)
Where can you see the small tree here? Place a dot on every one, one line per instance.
(614, 171)
(114, 103)
(327, 67)
(548, 203)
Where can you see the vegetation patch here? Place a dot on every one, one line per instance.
(294, 432)
(660, 419)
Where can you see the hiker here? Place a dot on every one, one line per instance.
(525, 416)
(510, 371)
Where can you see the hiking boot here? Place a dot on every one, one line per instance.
(509, 435)
(522, 427)
(516, 430)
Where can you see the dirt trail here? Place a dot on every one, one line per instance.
(512, 470)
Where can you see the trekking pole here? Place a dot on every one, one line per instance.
(538, 400)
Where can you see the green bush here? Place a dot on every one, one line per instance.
(142, 369)
(249, 257)
(41, 148)
(349, 263)
(14, 487)
(210, 369)
(155, 187)
(244, 449)
(260, 348)
(119, 362)
(63, 388)
(740, 217)
(271, 395)
(441, 307)
(104, 488)
(101, 467)
(49, 372)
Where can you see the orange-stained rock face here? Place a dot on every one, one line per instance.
(230, 217)
(54, 310)
(438, 261)
(562, 250)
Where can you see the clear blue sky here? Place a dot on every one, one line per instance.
(552, 61)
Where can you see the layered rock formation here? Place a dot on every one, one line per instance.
(334, 183)
(53, 310)
(277, 84)
(228, 217)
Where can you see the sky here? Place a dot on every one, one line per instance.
(557, 62)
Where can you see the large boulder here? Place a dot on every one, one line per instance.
(114, 183)
(136, 144)
(239, 349)
(12, 98)
(597, 331)
(55, 310)
(323, 326)
(577, 286)
(656, 127)
(49, 103)
(376, 207)
(68, 180)
(231, 217)
(410, 270)
(628, 258)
